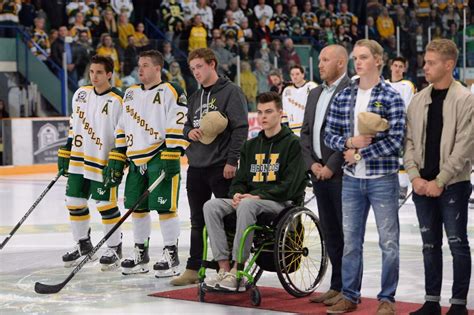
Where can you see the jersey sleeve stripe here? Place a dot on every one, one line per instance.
(173, 90)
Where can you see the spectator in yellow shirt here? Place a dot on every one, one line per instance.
(141, 40)
(248, 84)
(125, 29)
(106, 48)
(385, 25)
(198, 34)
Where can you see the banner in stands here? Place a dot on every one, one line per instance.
(254, 126)
(48, 136)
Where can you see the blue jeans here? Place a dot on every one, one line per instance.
(451, 210)
(357, 197)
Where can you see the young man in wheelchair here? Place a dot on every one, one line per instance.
(271, 176)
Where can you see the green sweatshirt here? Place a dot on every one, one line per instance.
(272, 168)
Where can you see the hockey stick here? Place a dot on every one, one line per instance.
(33, 207)
(55, 288)
(405, 200)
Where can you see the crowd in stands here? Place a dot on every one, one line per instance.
(259, 31)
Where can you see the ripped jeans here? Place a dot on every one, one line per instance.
(451, 210)
(357, 197)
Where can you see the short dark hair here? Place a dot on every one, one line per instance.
(155, 56)
(297, 67)
(401, 59)
(106, 61)
(204, 53)
(275, 72)
(268, 97)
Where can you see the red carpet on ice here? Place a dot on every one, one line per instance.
(277, 299)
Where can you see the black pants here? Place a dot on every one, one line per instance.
(201, 184)
(328, 197)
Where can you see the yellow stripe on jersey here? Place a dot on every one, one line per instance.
(77, 163)
(88, 158)
(174, 131)
(120, 142)
(93, 169)
(120, 132)
(111, 221)
(172, 89)
(177, 142)
(144, 151)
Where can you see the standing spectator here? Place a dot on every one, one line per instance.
(53, 35)
(438, 155)
(130, 56)
(372, 29)
(354, 34)
(247, 31)
(212, 162)
(92, 16)
(449, 17)
(249, 85)
(84, 51)
(107, 48)
(343, 39)
(289, 56)
(327, 35)
(175, 76)
(125, 29)
(168, 54)
(141, 40)
(264, 54)
(454, 35)
(279, 22)
(276, 56)
(347, 18)
(236, 11)
(9, 10)
(41, 39)
(198, 34)
(80, 27)
(224, 56)
(263, 31)
(107, 24)
(370, 174)
(262, 9)
(74, 7)
(230, 28)
(385, 26)
(295, 23)
(310, 20)
(64, 43)
(261, 73)
(294, 98)
(325, 164)
(172, 16)
(122, 6)
(207, 16)
(248, 12)
(245, 53)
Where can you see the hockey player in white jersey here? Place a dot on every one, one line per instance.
(406, 89)
(153, 120)
(93, 139)
(294, 99)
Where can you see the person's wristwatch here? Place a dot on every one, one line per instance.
(357, 156)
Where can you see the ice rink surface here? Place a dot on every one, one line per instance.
(34, 254)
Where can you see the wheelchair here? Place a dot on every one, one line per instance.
(290, 244)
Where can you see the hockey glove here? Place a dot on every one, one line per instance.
(171, 163)
(64, 155)
(113, 172)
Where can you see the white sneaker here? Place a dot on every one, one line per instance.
(229, 283)
(212, 281)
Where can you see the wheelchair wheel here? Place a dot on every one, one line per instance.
(299, 252)
(255, 296)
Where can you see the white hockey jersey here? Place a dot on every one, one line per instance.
(294, 102)
(406, 90)
(153, 120)
(93, 130)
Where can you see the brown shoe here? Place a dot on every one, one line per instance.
(343, 306)
(333, 300)
(323, 297)
(187, 277)
(386, 308)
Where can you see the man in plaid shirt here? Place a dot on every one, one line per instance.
(370, 174)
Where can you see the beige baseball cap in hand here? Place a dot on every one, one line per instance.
(370, 123)
(212, 124)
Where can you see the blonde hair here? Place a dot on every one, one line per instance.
(375, 49)
(445, 47)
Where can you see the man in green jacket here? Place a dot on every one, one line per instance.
(271, 176)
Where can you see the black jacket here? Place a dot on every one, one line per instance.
(332, 159)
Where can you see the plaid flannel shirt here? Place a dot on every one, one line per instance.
(381, 156)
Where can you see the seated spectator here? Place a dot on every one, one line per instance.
(310, 20)
(232, 46)
(279, 22)
(263, 31)
(248, 12)
(80, 27)
(141, 40)
(174, 75)
(122, 6)
(41, 39)
(256, 189)
(264, 54)
(373, 33)
(327, 35)
(130, 56)
(276, 54)
(107, 48)
(247, 30)
(449, 17)
(295, 24)
(354, 34)
(236, 11)
(263, 10)
(198, 34)
(245, 53)
(92, 16)
(225, 57)
(168, 56)
(73, 7)
(230, 28)
(343, 39)
(107, 24)
(207, 16)
(347, 18)
(125, 29)
(84, 52)
(53, 35)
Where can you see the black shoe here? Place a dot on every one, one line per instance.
(82, 248)
(139, 263)
(168, 265)
(111, 258)
(429, 308)
(456, 309)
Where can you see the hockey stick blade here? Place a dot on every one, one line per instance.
(42, 288)
(33, 207)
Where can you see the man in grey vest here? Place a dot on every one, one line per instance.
(324, 164)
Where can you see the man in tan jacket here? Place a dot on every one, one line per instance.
(438, 153)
